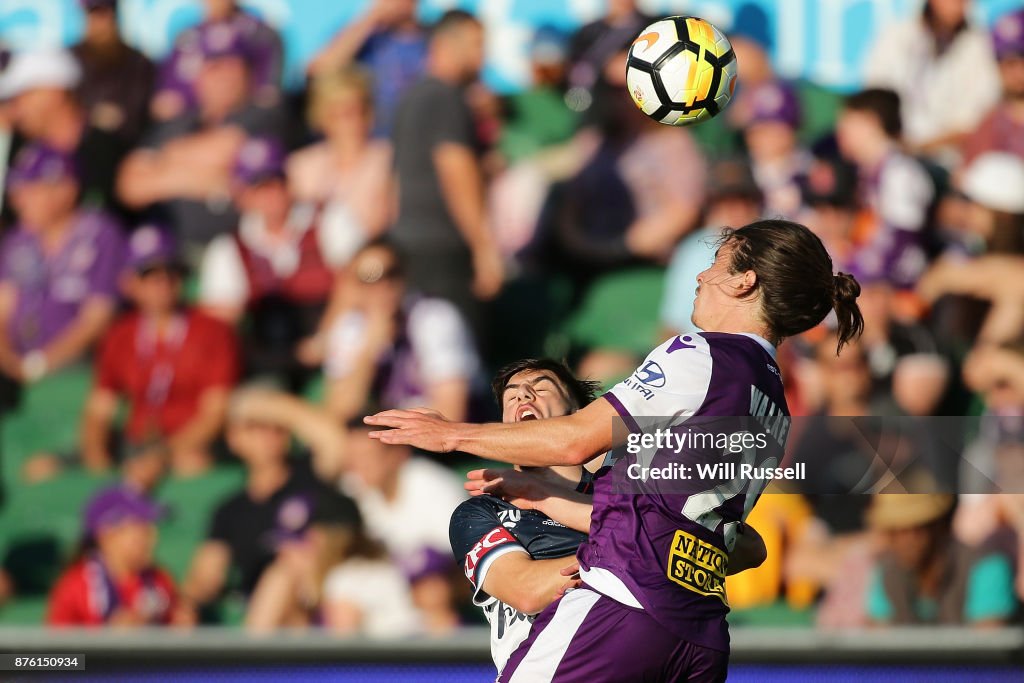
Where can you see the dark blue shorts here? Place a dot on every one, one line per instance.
(589, 637)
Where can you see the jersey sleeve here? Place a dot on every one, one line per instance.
(478, 539)
(672, 381)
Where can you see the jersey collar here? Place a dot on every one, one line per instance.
(765, 344)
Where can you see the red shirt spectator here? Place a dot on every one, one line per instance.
(116, 582)
(87, 595)
(164, 379)
(174, 366)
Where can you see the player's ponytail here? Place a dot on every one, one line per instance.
(850, 322)
(795, 280)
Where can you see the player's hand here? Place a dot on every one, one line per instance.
(420, 428)
(572, 573)
(525, 490)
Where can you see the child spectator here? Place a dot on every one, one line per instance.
(393, 348)
(117, 80)
(278, 266)
(388, 41)
(178, 81)
(58, 268)
(1003, 129)
(115, 582)
(173, 365)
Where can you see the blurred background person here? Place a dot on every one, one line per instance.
(183, 166)
(981, 299)
(441, 215)
(276, 271)
(115, 582)
(177, 89)
(117, 80)
(592, 47)
(402, 496)
(331, 574)
(1002, 130)
(613, 212)
(895, 187)
(391, 347)
(830, 205)
(59, 268)
(537, 117)
(925, 576)
(733, 200)
(173, 365)
(770, 133)
(42, 86)
(388, 41)
(278, 492)
(925, 58)
(348, 173)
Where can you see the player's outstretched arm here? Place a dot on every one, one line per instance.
(526, 584)
(570, 440)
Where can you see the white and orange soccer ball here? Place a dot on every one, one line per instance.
(681, 70)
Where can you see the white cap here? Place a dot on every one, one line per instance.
(39, 69)
(996, 181)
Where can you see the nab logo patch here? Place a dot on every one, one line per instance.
(651, 374)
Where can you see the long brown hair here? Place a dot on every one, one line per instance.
(795, 279)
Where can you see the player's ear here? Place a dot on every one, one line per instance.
(746, 284)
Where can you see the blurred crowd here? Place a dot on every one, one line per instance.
(250, 271)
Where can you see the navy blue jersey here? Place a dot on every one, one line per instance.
(483, 529)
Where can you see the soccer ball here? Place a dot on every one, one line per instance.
(681, 70)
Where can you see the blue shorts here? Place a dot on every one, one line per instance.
(590, 638)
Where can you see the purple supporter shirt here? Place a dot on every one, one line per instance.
(51, 288)
(180, 68)
(662, 545)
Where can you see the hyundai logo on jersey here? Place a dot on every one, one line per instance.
(651, 374)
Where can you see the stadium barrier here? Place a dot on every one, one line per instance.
(144, 648)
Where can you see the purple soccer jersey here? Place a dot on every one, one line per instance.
(51, 288)
(661, 544)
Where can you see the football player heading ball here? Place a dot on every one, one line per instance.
(649, 586)
(518, 545)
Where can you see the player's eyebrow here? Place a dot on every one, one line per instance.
(535, 382)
